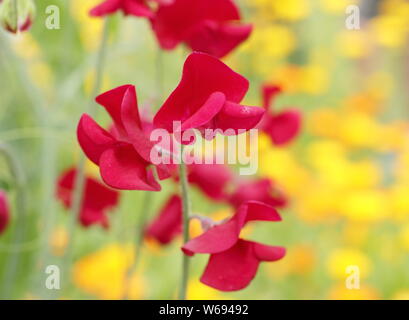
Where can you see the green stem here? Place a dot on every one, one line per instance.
(78, 192)
(21, 215)
(139, 234)
(186, 218)
(48, 169)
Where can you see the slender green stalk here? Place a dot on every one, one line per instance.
(48, 153)
(138, 242)
(186, 217)
(21, 215)
(80, 177)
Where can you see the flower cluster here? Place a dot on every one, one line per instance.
(210, 26)
(209, 97)
(98, 198)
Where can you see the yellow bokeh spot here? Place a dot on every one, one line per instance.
(90, 27)
(336, 6)
(299, 260)
(26, 46)
(103, 273)
(401, 295)
(341, 292)
(323, 122)
(365, 205)
(59, 240)
(199, 291)
(390, 31)
(353, 45)
(359, 130)
(340, 259)
(272, 41)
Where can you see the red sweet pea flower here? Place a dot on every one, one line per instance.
(283, 126)
(210, 26)
(97, 198)
(260, 190)
(4, 211)
(234, 262)
(123, 155)
(139, 8)
(212, 179)
(208, 97)
(168, 224)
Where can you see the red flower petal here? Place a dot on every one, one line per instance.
(283, 127)
(206, 113)
(122, 168)
(256, 211)
(89, 217)
(224, 236)
(4, 211)
(212, 179)
(112, 102)
(260, 190)
(96, 200)
(105, 8)
(137, 8)
(203, 75)
(133, 126)
(93, 139)
(168, 224)
(235, 268)
(218, 39)
(269, 93)
(268, 253)
(217, 239)
(177, 22)
(237, 117)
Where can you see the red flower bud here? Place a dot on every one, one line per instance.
(4, 211)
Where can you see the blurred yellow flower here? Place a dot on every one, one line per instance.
(340, 259)
(269, 43)
(399, 201)
(281, 166)
(323, 122)
(353, 45)
(401, 295)
(366, 102)
(390, 31)
(365, 205)
(89, 26)
(359, 130)
(355, 234)
(103, 273)
(317, 203)
(312, 78)
(58, 240)
(299, 260)
(199, 291)
(289, 10)
(26, 46)
(195, 228)
(337, 6)
(341, 292)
